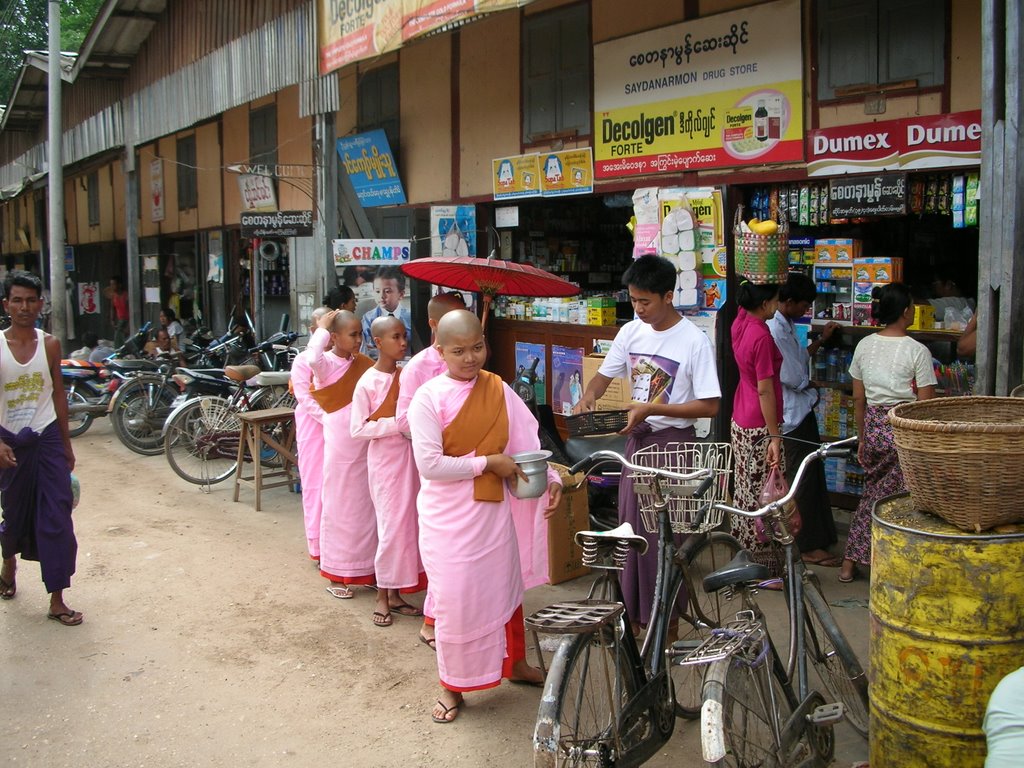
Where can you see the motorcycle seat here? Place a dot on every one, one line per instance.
(272, 378)
(132, 365)
(241, 372)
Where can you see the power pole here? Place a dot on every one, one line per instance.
(55, 185)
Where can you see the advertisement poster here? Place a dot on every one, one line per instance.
(156, 189)
(715, 92)
(453, 230)
(88, 298)
(371, 167)
(566, 378)
(354, 31)
(569, 172)
(530, 369)
(516, 177)
(374, 253)
(926, 141)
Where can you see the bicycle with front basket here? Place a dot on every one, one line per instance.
(758, 711)
(606, 701)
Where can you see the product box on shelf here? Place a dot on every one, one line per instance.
(837, 250)
(619, 393)
(878, 269)
(924, 318)
(601, 316)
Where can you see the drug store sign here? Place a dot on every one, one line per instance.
(715, 92)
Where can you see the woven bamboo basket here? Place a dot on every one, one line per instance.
(963, 458)
(762, 259)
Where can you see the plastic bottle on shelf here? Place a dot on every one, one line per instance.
(832, 368)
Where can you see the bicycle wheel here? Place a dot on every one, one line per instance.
(138, 418)
(201, 441)
(833, 658)
(590, 680)
(78, 423)
(704, 613)
(745, 708)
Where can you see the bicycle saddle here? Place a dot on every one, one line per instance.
(739, 570)
(241, 372)
(623, 533)
(579, 448)
(272, 378)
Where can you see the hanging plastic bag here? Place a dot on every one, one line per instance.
(775, 487)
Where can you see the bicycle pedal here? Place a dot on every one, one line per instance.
(827, 714)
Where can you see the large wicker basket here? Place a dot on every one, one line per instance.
(963, 458)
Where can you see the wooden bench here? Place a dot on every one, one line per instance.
(253, 438)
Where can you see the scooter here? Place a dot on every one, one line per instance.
(90, 387)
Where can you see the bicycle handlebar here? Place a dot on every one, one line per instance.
(598, 458)
(840, 448)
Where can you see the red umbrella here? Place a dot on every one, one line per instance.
(491, 277)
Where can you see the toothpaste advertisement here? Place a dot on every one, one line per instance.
(716, 92)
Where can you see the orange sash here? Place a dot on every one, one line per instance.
(481, 426)
(388, 408)
(336, 396)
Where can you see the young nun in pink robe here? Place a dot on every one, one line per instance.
(467, 536)
(348, 526)
(394, 481)
(425, 365)
(309, 435)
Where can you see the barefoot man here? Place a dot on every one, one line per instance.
(35, 451)
(465, 426)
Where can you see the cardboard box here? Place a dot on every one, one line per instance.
(837, 250)
(924, 318)
(601, 316)
(565, 557)
(619, 393)
(878, 269)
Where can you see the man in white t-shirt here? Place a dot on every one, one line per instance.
(671, 368)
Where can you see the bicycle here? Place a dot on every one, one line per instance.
(201, 436)
(756, 710)
(606, 701)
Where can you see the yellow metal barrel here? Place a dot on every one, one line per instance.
(947, 623)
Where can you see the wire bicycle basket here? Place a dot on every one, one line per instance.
(682, 507)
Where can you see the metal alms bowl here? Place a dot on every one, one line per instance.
(535, 466)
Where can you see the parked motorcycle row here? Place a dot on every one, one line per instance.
(164, 404)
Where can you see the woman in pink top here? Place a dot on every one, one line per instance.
(756, 410)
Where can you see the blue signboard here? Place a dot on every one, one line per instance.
(370, 165)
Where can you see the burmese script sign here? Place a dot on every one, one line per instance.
(911, 143)
(277, 224)
(723, 90)
(884, 194)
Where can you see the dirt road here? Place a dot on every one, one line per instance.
(209, 640)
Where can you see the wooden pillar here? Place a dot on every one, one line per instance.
(1000, 353)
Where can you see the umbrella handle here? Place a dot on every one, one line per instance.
(486, 310)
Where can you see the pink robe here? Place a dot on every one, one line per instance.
(424, 366)
(469, 548)
(309, 434)
(348, 526)
(393, 486)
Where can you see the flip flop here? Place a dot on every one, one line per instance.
(430, 642)
(8, 590)
(832, 561)
(531, 683)
(847, 579)
(341, 592)
(444, 720)
(404, 609)
(382, 619)
(67, 618)
(775, 585)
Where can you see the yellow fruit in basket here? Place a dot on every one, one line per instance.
(752, 224)
(768, 227)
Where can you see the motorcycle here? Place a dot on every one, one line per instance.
(89, 387)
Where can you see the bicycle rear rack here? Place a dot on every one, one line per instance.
(726, 641)
(574, 617)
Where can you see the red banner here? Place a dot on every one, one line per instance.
(912, 143)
